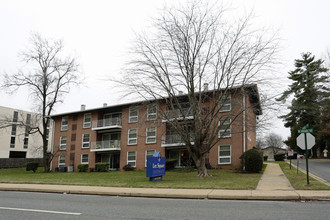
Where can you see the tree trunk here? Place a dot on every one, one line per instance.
(201, 168)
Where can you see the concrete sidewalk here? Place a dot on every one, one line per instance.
(272, 186)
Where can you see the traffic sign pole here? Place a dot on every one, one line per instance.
(306, 151)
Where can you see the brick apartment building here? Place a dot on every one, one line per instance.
(128, 133)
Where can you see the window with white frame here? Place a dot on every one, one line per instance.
(87, 120)
(224, 153)
(62, 142)
(85, 140)
(149, 153)
(61, 161)
(133, 115)
(131, 158)
(151, 112)
(84, 158)
(151, 135)
(64, 123)
(225, 103)
(225, 128)
(132, 136)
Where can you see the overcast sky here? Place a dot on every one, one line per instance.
(100, 34)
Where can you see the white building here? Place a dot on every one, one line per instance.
(15, 140)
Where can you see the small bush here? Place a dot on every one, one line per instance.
(128, 167)
(83, 167)
(279, 157)
(252, 161)
(101, 167)
(170, 164)
(265, 158)
(32, 166)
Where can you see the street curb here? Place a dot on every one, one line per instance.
(172, 193)
(311, 174)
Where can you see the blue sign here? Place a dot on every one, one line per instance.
(155, 166)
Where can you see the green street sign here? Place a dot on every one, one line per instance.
(305, 131)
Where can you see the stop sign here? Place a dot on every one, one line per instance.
(310, 141)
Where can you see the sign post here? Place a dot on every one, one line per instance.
(306, 141)
(290, 154)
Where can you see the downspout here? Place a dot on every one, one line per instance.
(244, 108)
(52, 141)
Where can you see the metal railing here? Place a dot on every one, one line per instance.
(109, 122)
(105, 145)
(175, 139)
(176, 113)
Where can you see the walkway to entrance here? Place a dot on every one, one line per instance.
(273, 178)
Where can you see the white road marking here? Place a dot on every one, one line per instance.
(43, 211)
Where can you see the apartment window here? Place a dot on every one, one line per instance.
(225, 128)
(225, 103)
(61, 161)
(63, 143)
(12, 142)
(28, 119)
(131, 158)
(87, 120)
(27, 131)
(13, 130)
(151, 112)
(73, 146)
(73, 137)
(149, 153)
(151, 135)
(64, 123)
(224, 154)
(26, 143)
(85, 141)
(84, 158)
(15, 117)
(133, 115)
(132, 136)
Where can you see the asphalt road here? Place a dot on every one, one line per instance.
(316, 167)
(25, 205)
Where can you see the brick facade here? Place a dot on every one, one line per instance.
(109, 139)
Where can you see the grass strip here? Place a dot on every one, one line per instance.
(179, 178)
(299, 181)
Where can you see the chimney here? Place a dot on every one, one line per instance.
(83, 107)
(206, 86)
(105, 104)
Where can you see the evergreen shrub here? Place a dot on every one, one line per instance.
(32, 166)
(83, 167)
(252, 161)
(128, 167)
(279, 157)
(101, 167)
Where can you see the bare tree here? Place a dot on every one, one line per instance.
(275, 141)
(50, 78)
(194, 49)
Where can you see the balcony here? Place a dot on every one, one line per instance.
(174, 140)
(176, 114)
(105, 145)
(108, 123)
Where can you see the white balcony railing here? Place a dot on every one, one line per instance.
(105, 145)
(107, 123)
(177, 114)
(174, 140)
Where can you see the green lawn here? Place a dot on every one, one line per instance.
(221, 179)
(299, 181)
